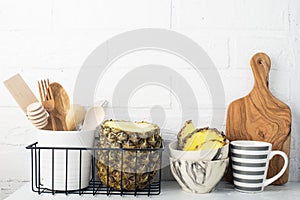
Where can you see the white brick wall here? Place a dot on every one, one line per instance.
(231, 15)
(52, 38)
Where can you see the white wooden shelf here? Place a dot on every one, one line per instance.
(172, 191)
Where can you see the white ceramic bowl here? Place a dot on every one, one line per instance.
(198, 176)
(65, 139)
(213, 154)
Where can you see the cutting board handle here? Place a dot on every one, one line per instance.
(261, 65)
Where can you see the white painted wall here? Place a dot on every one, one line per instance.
(52, 38)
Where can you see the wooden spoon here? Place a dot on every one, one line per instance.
(62, 105)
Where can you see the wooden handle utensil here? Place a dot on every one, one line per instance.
(62, 104)
(47, 99)
(20, 91)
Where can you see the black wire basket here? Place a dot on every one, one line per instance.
(151, 187)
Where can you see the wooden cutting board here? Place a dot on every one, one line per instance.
(262, 117)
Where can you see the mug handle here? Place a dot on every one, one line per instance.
(277, 176)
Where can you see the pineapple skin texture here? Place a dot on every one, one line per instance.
(136, 168)
(187, 129)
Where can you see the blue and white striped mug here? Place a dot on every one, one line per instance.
(250, 162)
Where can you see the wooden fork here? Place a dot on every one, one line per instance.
(47, 99)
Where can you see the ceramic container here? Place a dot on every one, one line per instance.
(198, 176)
(61, 161)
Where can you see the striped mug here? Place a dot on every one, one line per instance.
(250, 162)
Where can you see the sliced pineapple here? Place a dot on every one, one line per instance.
(187, 129)
(128, 126)
(211, 144)
(204, 138)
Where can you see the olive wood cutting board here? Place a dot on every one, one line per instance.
(262, 117)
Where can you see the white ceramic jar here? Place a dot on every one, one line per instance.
(64, 166)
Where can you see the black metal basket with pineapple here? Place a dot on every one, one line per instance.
(135, 160)
(127, 161)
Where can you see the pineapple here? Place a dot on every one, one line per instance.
(135, 168)
(185, 131)
(204, 139)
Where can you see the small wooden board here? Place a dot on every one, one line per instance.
(262, 117)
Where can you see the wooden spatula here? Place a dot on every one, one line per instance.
(262, 117)
(20, 91)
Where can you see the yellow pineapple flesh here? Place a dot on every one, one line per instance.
(204, 139)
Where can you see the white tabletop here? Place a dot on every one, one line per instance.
(172, 191)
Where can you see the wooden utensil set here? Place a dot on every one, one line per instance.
(54, 112)
(55, 101)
